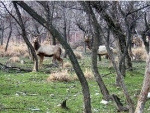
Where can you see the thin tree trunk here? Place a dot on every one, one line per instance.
(24, 35)
(60, 38)
(145, 42)
(8, 37)
(120, 78)
(65, 29)
(98, 77)
(96, 40)
(122, 44)
(145, 88)
(2, 33)
(144, 33)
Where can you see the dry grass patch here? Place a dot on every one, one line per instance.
(26, 55)
(67, 64)
(78, 55)
(80, 48)
(20, 49)
(2, 53)
(7, 53)
(62, 76)
(13, 50)
(88, 74)
(14, 59)
(139, 53)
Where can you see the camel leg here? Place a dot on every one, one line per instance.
(54, 60)
(34, 67)
(99, 56)
(41, 61)
(110, 64)
(60, 61)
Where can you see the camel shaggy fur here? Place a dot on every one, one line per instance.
(47, 50)
(102, 51)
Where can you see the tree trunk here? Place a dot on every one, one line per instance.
(8, 37)
(145, 88)
(146, 33)
(65, 30)
(96, 40)
(1, 33)
(145, 42)
(117, 32)
(35, 67)
(60, 38)
(98, 77)
(128, 62)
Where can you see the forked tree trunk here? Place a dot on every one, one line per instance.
(145, 88)
(121, 80)
(49, 17)
(97, 75)
(60, 38)
(96, 40)
(24, 35)
(116, 30)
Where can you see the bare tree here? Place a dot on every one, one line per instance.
(96, 39)
(21, 24)
(49, 8)
(60, 38)
(118, 72)
(5, 24)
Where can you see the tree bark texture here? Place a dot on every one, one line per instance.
(2, 33)
(145, 88)
(60, 38)
(116, 30)
(8, 37)
(96, 40)
(24, 35)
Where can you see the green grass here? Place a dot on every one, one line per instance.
(30, 92)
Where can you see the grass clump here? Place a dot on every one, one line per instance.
(61, 76)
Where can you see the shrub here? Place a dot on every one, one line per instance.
(139, 53)
(88, 74)
(14, 59)
(62, 76)
(67, 64)
(26, 55)
(13, 50)
(78, 55)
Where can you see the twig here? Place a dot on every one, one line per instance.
(5, 67)
(107, 74)
(63, 104)
(118, 104)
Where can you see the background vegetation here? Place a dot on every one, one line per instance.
(35, 92)
(74, 26)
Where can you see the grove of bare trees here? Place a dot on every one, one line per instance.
(109, 23)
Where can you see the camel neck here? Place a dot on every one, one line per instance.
(36, 45)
